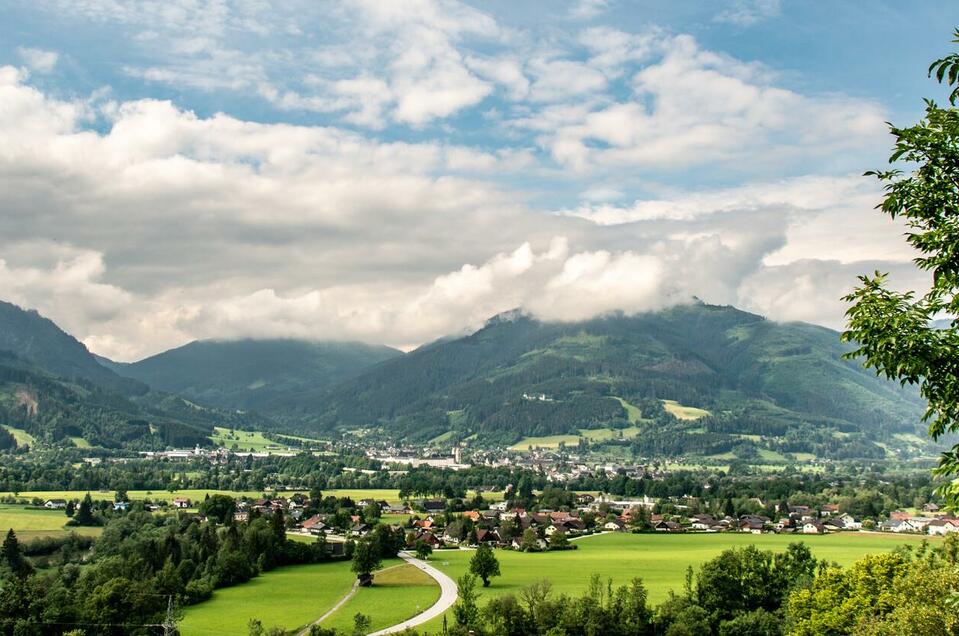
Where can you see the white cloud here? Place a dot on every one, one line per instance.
(503, 70)
(558, 79)
(175, 226)
(748, 12)
(38, 60)
(693, 107)
(588, 9)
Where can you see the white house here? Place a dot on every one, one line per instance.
(941, 527)
(55, 504)
(813, 527)
(849, 522)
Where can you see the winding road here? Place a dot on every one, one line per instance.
(446, 600)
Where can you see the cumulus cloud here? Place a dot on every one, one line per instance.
(693, 107)
(140, 225)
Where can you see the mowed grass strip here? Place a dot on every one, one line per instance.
(397, 594)
(287, 597)
(659, 560)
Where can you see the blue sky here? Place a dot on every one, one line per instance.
(396, 171)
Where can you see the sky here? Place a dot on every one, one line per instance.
(394, 172)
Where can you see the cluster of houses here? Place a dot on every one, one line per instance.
(931, 521)
(503, 526)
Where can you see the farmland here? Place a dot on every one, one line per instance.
(287, 597)
(294, 596)
(659, 560)
(30, 523)
(246, 441)
(398, 593)
(196, 495)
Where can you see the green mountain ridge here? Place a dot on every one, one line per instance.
(275, 377)
(784, 381)
(52, 387)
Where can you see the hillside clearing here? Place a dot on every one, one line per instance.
(22, 437)
(684, 412)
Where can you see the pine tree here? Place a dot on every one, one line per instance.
(12, 556)
(84, 516)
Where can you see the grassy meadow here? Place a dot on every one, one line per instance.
(196, 495)
(287, 597)
(30, 523)
(683, 412)
(294, 596)
(253, 441)
(659, 560)
(398, 593)
(22, 437)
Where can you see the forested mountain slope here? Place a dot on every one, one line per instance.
(273, 377)
(755, 376)
(53, 388)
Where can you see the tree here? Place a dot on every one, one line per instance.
(366, 560)
(484, 564)
(71, 508)
(361, 624)
(84, 516)
(558, 541)
(530, 541)
(13, 557)
(466, 611)
(279, 526)
(423, 549)
(894, 331)
(219, 507)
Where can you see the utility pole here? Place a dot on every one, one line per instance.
(169, 625)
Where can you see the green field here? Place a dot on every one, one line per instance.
(31, 523)
(79, 442)
(592, 434)
(253, 441)
(398, 593)
(287, 597)
(196, 495)
(632, 411)
(660, 560)
(547, 441)
(683, 412)
(294, 596)
(22, 437)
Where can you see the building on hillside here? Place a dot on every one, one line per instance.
(55, 504)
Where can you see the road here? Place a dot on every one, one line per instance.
(446, 600)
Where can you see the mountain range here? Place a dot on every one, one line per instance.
(55, 391)
(520, 377)
(752, 385)
(274, 377)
